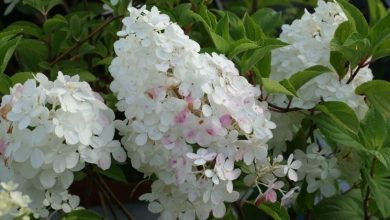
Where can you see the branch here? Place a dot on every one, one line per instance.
(79, 43)
(102, 192)
(361, 65)
(116, 200)
(276, 108)
(238, 206)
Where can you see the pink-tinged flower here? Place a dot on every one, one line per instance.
(178, 134)
(270, 194)
(226, 120)
(180, 168)
(168, 140)
(182, 116)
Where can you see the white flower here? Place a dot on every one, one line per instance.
(320, 171)
(309, 44)
(290, 167)
(201, 156)
(178, 101)
(48, 130)
(13, 203)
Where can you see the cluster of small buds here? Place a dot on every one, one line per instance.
(61, 201)
(49, 129)
(265, 174)
(319, 169)
(190, 117)
(309, 44)
(13, 204)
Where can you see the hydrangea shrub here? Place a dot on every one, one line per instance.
(227, 110)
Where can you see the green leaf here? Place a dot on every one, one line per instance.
(297, 80)
(341, 113)
(82, 215)
(338, 123)
(104, 61)
(268, 19)
(382, 155)
(343, 31)
(28, 28)
(251, 211)
(272, 86)
(387, 141)
(182, 14)
(221, 44)
(237, 28)
(275, 210)
(31, 53)
(264, 66)
(59, 42)
(373, 129)
(54, 23)
(222, 28)
(251, 58)
(355, 16)
(241, 46)
(5, 84)
(75, 27)
(43, 6)
(114, 172)
(340, 207)
(381, 50)
(377, 93)
(339, 63)
(377, 10)
(7, 49)
(252, 29)
(36, 4)
(380, 188)
(7, 35)
(380, 38)
(355, 49)
(206, 17)
(21, 77)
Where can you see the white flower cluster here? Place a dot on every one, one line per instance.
(190, 117)
(319, 168)
(50, 129)
(13, 204)
(309, 39)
